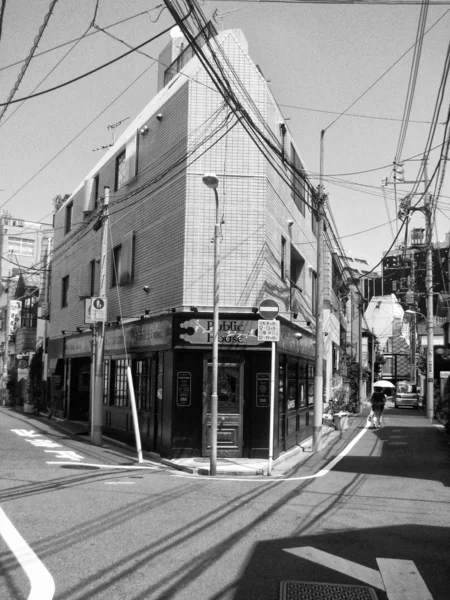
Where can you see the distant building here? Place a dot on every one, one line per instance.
(24, 272)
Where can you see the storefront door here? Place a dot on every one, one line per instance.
(230, 408)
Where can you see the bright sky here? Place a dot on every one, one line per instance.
(318, 58)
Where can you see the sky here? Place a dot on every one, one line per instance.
(318, 58)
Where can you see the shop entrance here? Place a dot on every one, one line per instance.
(230, 408)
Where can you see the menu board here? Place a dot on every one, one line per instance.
(184, 388)
(262, 390)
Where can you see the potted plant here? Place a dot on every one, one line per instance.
(339, 402)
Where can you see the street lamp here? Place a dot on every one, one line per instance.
(211, 181)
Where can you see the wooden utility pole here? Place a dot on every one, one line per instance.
(97, 408)
(318, 375)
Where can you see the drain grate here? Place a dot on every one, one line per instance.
(307, 590)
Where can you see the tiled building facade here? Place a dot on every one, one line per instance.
(161, 227)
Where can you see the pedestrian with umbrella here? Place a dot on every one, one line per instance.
(378, 400)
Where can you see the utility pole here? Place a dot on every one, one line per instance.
(430, 319)
(6, 347)
(318, 375)
(360, 354)
(412, 330)
(97, 408)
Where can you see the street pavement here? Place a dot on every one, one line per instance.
(370, 511)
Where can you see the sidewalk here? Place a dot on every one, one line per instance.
(286, 462)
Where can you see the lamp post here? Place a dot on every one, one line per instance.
(211, 181)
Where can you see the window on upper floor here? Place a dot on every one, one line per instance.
(296, 268)
(96, 190)
(120, 173)
(29, 311)
(69, 217)
(283, 258)
(65, 291)
(297, 181)
(116, 265)
(92, 278)
(20, 245)
(123, 261)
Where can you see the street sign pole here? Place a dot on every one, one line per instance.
(269, 331)
(272, 405)
(97, 408)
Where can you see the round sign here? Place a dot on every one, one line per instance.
(99, 303)
(269, 309)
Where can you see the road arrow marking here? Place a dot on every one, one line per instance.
(42, 584)
(400, 579)
(355, 570)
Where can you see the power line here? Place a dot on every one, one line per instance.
(37, 39)
(91, 72)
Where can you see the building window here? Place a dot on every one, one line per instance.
(92, 278)
(69, 214)
(120, 171)
(116, 265)
(297, 181)
(20, 246)
(65, 291)
(118, 383)
(283, 257)
(297, 264)
(141, 379)
(96, 189)
(29, 312)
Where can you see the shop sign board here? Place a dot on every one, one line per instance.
(78, 345)
(263, 390)
(184, 388)
(269, 331)
(153, 334)
(232, 332)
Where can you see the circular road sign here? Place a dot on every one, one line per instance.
(98, 303)
(269, 309)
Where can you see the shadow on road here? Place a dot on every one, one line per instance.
(271, 561)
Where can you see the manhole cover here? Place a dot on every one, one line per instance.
(307, 590)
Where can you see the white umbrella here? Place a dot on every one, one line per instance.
(383, 384)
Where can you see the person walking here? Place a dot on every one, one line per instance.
(378, 400)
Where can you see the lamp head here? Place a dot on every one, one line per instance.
(211, 180)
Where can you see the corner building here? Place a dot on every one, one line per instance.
(160, 268)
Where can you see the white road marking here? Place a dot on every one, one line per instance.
(402, 580)
(266, 479)
(42, 584)
(348, 567)
(99, 466)
(120, 482)
(66, 454)
(26, 432)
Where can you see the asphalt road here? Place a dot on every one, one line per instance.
(379, 517)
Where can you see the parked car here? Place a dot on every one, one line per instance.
(406, 394)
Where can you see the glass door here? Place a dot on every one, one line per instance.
(229, 413)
